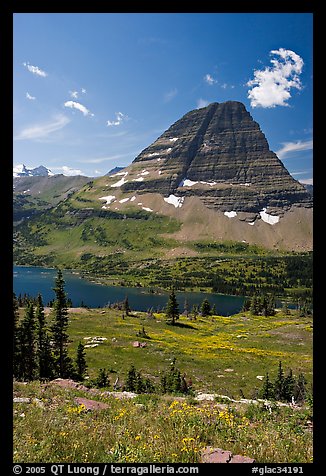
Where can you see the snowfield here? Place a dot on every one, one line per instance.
(267, 218)
(175, 201)
(230, 214)
(108, 199)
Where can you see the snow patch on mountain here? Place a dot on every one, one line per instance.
(267, 218)
(175, 201)
(22, 171)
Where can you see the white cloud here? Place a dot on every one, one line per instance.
(83, 90)
(99, 160)
(31, 98)
(202, 103)
(68, 171)
(271, 86)
(119, 118)
(79, 107)
(38, 131)
(73, 94)
(170, 95)
(209, 79)
(35, 70)
(291, 147)
(309, 181)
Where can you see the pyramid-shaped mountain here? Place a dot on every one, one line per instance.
(219, 154)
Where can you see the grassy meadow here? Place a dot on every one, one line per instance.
(222, 355)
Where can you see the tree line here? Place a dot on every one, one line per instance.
(284, 388)
(41, 351)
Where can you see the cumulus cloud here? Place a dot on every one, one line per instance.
(68, 171)
(292, 147)
(79, 107)
(209, 79)
(119, 118)
(35, 70)
(271, 86)
(38, 131)
(202, 103)
(31, 98)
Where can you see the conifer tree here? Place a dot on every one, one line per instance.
(28, 355)
(131, 380)
(44, 352)
(267, 391)
(289, 384)
(16, 343)
(81, 365)
(126, 306)
(205, 308)
(59, 329)
(172, 309)
(279, 383)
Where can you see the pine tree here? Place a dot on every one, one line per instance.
(172, 309)
(126, 306)
(194, 311)
(131, 380)
(81, 364)
(289, 384)
(267, 391)
(102, 379)
(16, 342)
(28, 355)
(205, 308)
(59, 329)
(213, 311)
(279, 383)
(44, 353)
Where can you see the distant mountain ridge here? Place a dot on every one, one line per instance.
(40, 171)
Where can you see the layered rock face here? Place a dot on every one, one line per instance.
(219, 154)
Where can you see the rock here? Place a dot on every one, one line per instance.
(219, 154)
(241, 459)
(21, 400)
(139, 344)
(217, 455)
(91, 404)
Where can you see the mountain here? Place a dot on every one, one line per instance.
(219, 154)
(35, 194)
(23, 171)
(115, 170)
(209, 178)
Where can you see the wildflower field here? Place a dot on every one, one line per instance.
(219, 354)
(152, 428)
(223, 355)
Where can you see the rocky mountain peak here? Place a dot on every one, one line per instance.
(220, 154)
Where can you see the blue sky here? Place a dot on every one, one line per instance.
(92, 90)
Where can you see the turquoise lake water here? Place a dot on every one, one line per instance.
(34, 280)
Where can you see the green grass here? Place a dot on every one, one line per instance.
(154, 429)
(163, 428)
(204, 348)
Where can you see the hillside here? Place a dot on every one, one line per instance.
(35, 194)
(227, 356)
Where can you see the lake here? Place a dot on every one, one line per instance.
(33, 280)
